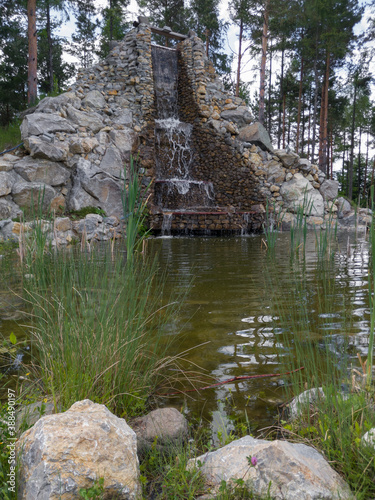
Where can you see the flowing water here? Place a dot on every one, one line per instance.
(231, 320)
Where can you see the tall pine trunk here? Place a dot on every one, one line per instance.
(263, 63)
(351, 161)
(315, 114)
(32, 82)
(299, 106)
(239, 59)
(49, 40)
(279, 132)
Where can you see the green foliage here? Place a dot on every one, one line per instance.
(81, 214)
(10, 135)
(96, 492)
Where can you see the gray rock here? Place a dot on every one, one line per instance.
(7, 161)
(305, 165)
(165, 425)
(82, 145)
(292, 471)
(107, 193)
(256, 134)
(125, 140)
(289, 158)
(275, 173)
(124, 117)
(112, 162)
(329, 190)
(303, 400)
(53, 104)
(38, 148)
(92, 121)
(240, 116)
(298, 192)
(344, 207)
(94, 99)
(45, 171)
(68, 451)
(6, 183)
(79, 198)
(90, 224)
(8, 209)
(40, 123)
(29, 194)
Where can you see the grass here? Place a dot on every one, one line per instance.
(10, 136)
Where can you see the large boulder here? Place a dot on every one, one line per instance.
(41, 123)
(290, 471)
(92, 120)
(55, 104)
(166, 426)
(112, 162)
(39, 148)
(288, 158)
(6, 183)
(125, 140)
(329, 190)
(7, 161)
(256, 134)
(9, 209)
(107, 191)
(94, 99)
(45, 171)
(302, 402)
(30, 194)
(298, 192)
(240, 116)
(65, 452)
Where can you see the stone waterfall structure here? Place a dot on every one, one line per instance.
(212, 166)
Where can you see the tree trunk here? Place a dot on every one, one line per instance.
(269, 92)
(351, 161)
(366, 167)
(299, 106)
(49, 40)
(281, 97)
(239, 59)
(359, 162)
(284, 99)
(325, 116)
(263, 63)
(32, 92)
(315, 99)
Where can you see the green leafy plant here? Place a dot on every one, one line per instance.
(95, 492)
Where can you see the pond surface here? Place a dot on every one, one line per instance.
(232, 314)
(243, 310)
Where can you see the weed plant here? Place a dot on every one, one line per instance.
(335, 423)
(134, 204)
(272, 226)
(298, 229)
(326, 238)
(98, 328)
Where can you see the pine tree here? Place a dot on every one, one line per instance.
(83, 40)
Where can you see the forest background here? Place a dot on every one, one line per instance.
(305, 67)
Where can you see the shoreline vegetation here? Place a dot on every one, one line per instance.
(98, 322)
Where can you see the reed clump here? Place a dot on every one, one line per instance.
(336, 421)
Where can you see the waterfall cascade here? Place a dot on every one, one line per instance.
(175, 188)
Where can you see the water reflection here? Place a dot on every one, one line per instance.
(231, 304)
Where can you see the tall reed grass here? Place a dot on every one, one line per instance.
(334, 423)
(98, 327)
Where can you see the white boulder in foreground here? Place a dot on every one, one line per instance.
(296, 471)
(68, 451)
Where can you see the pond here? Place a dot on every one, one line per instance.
(244, 308)
(232, 314)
